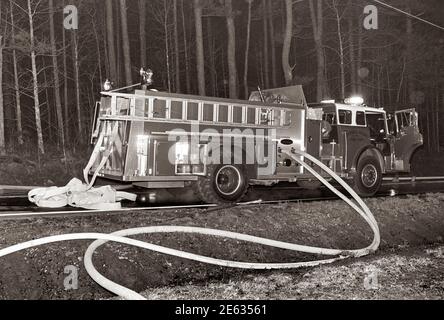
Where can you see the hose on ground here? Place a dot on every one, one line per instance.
(123, 237)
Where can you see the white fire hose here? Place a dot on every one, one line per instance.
(122, 237)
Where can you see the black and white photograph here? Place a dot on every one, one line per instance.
(221, 155)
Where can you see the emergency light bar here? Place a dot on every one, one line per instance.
(354, 101)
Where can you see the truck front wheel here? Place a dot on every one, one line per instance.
(368, 177)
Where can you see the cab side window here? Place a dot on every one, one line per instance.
(345, 117)
(329, 117)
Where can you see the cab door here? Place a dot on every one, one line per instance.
(407, 137)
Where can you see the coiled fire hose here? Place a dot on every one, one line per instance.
(122, 237)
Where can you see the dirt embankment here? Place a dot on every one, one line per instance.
(32, 170)
(428, 164)
(39, 273)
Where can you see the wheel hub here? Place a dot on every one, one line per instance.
(369, 176)
(228, 180)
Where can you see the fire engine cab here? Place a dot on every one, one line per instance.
(366, 143)
(219, 147)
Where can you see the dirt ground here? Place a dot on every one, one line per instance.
(409, 261)
(413, 273)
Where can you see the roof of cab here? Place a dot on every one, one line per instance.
(344, 106)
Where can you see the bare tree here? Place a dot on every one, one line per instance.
(231, 55)
(55, 66)
(176, 48)
(111, 43)
(16, 79)
(360, 55)
(142, 32)
(167, 42)
(273, 42)
(65, 83)
(265, 35)
(288, 70)
(341, 47)
(2, 115)
(317, 20)
(31, 12)
(353, 70)
(125, 43)
(185, 45)
(76, 67)
(247, 49)
(199, 47)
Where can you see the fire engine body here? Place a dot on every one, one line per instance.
(161, 140)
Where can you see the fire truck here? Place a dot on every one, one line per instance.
(220, 147)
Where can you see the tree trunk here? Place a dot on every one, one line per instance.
(273, 43)
(318, 31)
(199, 47)
(185, 45)
(353, 71)
(49, 112)
(126, 43)
(176, 48)
(211, 57)
(409, 53)
(142, 26)
(98, 48)
(231, 58)
(111, 42)
(120, 77)
(167, 45)
(341, 49)
(38, 121)
(2, 114)
(65, 85)
(55, 65)
(16, 81)
(76, 67)
(265, 34)
(247, 50)
(360, 55)
(288, 72)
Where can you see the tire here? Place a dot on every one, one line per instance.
(224, 184)
(368, 177)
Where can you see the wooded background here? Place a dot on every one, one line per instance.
(51, 77)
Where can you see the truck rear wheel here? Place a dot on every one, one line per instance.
(368, 178)
(224, 184)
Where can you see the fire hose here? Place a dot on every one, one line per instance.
(123, 237)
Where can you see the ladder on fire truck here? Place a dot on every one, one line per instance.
(172, 108)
